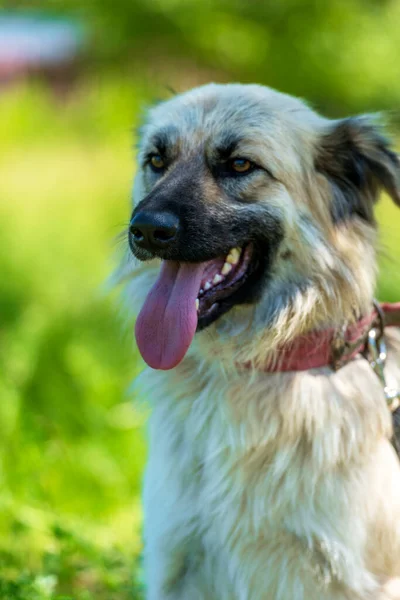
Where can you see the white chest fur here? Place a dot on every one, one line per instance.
(262, 483)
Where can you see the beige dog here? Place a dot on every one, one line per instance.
(271, 474)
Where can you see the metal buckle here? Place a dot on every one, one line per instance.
(376, 353)
(342, 349)
(338, 349)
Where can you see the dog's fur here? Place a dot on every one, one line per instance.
(270, 486)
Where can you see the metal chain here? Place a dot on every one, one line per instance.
(376, 354)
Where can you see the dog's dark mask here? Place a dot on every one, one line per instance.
(191, 223)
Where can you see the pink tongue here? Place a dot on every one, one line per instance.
(167, 322)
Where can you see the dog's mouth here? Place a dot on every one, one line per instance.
(186, 298)
(222, 278)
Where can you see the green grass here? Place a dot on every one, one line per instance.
(72, 441)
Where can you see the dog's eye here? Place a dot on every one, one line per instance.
(157, 163)
(241, 165)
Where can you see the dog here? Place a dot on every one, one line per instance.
(265, 480)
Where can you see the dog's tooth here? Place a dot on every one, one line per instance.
(197, 303)
(201, 292)
(207, 286)
(227, 268)
(233, 256)
(217, 279)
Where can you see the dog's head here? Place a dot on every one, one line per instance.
(261, 212)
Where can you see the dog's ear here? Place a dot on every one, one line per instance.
(359, 162)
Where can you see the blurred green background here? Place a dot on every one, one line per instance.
(72, 436)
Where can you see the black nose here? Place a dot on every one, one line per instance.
(153, 230)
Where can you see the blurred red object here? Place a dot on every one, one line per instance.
(39, 45)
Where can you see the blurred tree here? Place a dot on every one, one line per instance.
(339, 54)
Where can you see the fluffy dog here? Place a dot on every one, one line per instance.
(262, 483)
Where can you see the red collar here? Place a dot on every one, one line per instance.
(327, 348)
